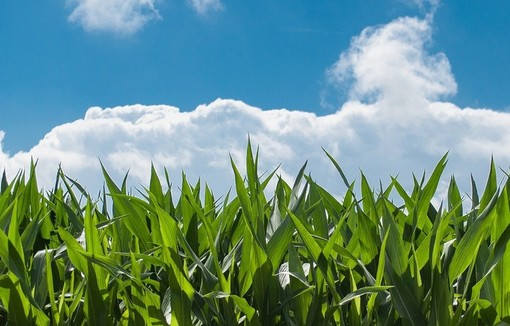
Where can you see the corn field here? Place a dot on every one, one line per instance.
(301, 256)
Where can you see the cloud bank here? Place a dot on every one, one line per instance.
(396, 121)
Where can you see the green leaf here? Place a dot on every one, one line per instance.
(491, 187)
(466, 251)
(338, 168)
(397, 255)
(4, 185)
(317, 254)
(362, 291)
(15, 263)
(430, 188)
(240, 302)
(454, 198)
(134, 220)
(403, 299)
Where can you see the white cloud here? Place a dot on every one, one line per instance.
(390, 65)
(429, 6)
(203, 7)
(396, 122)
(125, 17)
(119, 16)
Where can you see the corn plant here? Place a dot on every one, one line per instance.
(300, 256)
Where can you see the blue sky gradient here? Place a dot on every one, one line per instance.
(265, 53)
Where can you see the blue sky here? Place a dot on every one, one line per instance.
(385, 86)
(271, 54)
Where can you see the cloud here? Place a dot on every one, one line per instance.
(203, 7)
(123, 17)
(428, 6)
(390, 65)
(396, 121)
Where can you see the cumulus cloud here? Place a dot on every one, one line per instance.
(390, 65)
(119, 16)
(203, 7)
(396, 121)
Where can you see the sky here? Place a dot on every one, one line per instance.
(387, 87)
